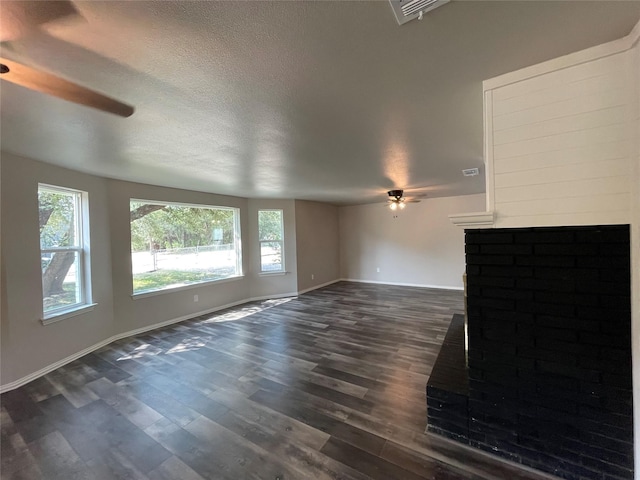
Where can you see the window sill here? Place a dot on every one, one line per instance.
(272, 274)
(162, 291)
(63, 315)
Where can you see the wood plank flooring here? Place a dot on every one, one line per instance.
(328, 385)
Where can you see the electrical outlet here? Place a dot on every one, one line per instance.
(196, 298)
(313, 276)
(378, 269)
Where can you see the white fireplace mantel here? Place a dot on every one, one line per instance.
(473, 220)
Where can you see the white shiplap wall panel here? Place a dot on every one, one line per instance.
(572, 106)
(563, 141)
(567, 156)
(571, 89)
(564, 174)
(619, 217)
(584, 121)
(582, 204)
(560, 144)
(561, 190)
(556, 78)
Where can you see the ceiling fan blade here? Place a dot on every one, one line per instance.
(58, 87)
(20, 17)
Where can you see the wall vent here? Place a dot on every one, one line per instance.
(406, 10)
(470, 172)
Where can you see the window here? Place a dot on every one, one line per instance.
(271, 236)
(175, 245)
(64, 258)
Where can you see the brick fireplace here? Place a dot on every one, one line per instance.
(549, 380)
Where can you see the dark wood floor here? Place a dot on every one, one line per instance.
(329, 385)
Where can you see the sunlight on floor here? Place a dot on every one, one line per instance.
(237, 314)
(195, 343)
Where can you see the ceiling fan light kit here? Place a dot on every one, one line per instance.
(397, 200)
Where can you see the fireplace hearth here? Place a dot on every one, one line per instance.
(549, 360)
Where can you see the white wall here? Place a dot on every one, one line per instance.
(144, 311)
(273, 284)
(415, 246)
(317, 242)
(27, 345)
(559, 142)
(30, 349)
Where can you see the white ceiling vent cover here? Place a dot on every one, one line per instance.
(406, 10)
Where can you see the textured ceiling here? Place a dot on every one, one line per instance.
(328, 101)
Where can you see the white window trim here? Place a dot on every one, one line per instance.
(237, 244)
(282, 270)
(67, 313)
(81, 247)
(163, 291)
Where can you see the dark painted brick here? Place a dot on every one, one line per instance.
(604, 234)
(606, 467)
(569, 371)
(558, 356)
(618, 275)
(568, 323)
(621, 381)
(510, 316)
(545, 236)
(569, 250)
(603, 262)
(506, 293)
(472, 270)
(604, 340)
(556, 309)
(506, 271)
(471, 248)
(549, 325)
(615, 249)
(492, 236)
(598, 287)
(617, 326)
(589, 274)
(489, 260)
(506, 249)
(498, 304)
(548, 284)
(566, 298)
(545, 261)
(476, 280)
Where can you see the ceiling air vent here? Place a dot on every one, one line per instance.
(470, 172)
(406, 10)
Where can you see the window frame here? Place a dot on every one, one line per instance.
(281, 242)
(80, 248)
(237, 242)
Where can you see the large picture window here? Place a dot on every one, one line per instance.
(63, 252)
(175, 245)
(271, 236)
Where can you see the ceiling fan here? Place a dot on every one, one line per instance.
(397, 200)
(19, 18)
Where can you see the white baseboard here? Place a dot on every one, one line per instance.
(269, 297)
(60, 363)
(399, 284)
(315, 287)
